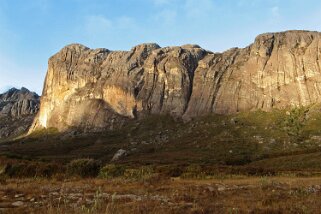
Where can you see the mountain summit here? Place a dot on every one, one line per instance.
(98, 89)
(17, 110)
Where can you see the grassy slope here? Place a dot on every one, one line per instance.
(279, 139)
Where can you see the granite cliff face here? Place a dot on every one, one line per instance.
(17, 111)
(99, 89)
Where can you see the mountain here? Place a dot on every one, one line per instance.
(18, 108)
(97, 89)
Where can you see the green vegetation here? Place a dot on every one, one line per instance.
(295, 121)
(89, 168)
(141, 173)
(32, 170)
(112, 171)
(44, 133)
(83, 168)
(253, 140)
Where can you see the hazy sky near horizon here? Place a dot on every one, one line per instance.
(33, 30)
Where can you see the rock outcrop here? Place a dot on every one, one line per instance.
(17, 111)
(99, 89)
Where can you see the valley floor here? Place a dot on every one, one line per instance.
(162, 195)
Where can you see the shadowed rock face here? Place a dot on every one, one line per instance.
(17, 111)
(95, 89)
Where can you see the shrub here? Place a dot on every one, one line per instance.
(30, 169)
(156, 179)
(193, 171)
(142, 173)
(170, 170)
(14, 170)
(83, 168)
(253, 171)
(295, 121)
(238, 160)
(112, 171)
(3, 179)
(48, 170)
(59, 176)
(3, 169)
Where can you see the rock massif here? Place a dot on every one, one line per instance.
(99, 89)
(17, 111)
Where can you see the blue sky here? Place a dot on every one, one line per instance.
(33, 30)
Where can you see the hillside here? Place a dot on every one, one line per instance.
(254, 138)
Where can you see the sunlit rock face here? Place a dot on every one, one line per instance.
(99, 89)
(278, 70)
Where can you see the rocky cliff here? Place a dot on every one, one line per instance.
(95, 89)
(17, 111)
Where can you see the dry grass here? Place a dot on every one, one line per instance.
(246, 195)
(216, 161)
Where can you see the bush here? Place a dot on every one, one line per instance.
(112, 171)
(3, 169)
(193, 171)
(59, 176)
(295, 121)
(48, 170)
(253, 171)
(238, 160)
(30, 170)
(3, 179)
(170, 170)
(83, 168)
(142, 173)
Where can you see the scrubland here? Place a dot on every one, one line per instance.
(255, 162)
